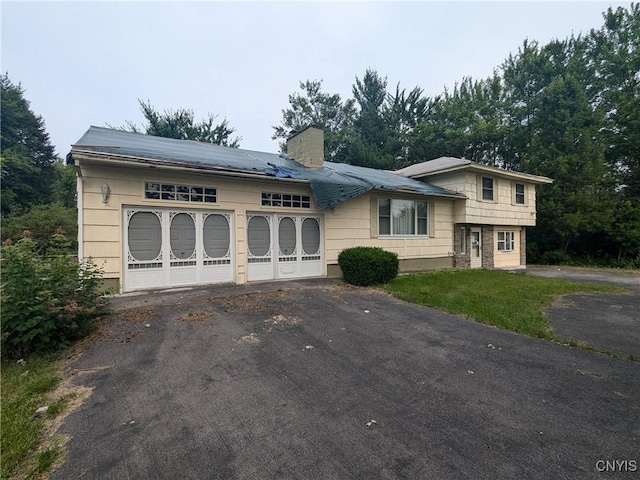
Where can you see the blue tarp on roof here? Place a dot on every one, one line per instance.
(330, 185)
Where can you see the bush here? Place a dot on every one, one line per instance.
(41, 223)
(48, 299)
(555, 257)
(368, 265)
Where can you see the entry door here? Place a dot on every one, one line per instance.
(476, 249)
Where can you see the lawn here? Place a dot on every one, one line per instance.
(25, 388)
(513, 301)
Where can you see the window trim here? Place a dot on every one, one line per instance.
(267, 199)
(204, 194)
(515, 194)
(508, 241)
(481, 189)
(416, 225)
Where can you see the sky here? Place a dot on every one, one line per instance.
(88, 63)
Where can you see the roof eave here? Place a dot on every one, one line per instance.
(116, 159)
(537, 179)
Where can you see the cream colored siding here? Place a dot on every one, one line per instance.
(350, 224)
(502, 210)
(102, 229)
(502, 259)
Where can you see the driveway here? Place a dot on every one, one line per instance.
(317, 380)
(611, 321)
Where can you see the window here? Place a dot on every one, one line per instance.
(519, 193)
(506, 241)
(402, 217)
(179, 193)
(487, 189)
(270, 199)
(463, 239)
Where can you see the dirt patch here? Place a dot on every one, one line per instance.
(250, 339)
(138, 315)
(195, 315)
(282, 320)
(250, 302)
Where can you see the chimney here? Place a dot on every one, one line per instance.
(307, 147)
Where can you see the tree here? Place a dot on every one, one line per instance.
(315, 107)
(181, 124)
(27, 153)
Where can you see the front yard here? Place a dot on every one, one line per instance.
(508, 300)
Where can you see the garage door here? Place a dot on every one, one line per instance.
(283, 246)
(166, 248)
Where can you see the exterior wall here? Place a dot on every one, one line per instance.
(405, 266)
(488, 246)
(462, 259)
(512, 258)
(502, 211)
(348, 224)
(102, 230)
(354, 223)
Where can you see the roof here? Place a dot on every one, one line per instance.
(451, 164)
(332, 184)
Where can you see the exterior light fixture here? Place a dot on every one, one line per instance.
(106, 191)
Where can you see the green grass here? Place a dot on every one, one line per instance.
(25, 388)
(512, 301)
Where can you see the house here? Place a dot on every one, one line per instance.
(489, 228)
(158, 212)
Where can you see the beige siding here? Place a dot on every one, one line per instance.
(348, 224)
(502, 259)
(102, 222)
(502, 210)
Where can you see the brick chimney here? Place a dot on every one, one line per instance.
(307, 147)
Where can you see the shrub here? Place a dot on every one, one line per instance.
(368, 265)
(42, 222)
(48, 299)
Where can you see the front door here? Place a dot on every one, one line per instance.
(476, 249)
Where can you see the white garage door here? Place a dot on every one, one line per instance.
(283, 246)
(165, 248)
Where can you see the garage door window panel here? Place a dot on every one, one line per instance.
(144, 240)
(217, 239)
(183, 239)
(259, 239)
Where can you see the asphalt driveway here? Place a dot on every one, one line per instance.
(610, 322)
(315, 380)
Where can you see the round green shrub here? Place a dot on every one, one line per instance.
(368, 265)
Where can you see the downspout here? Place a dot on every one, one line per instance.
(79, 203)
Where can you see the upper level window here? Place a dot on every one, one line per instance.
(402, 217)
(270, 199)
(519, 193)
(506, 241)
(487, 189)
(179, 193)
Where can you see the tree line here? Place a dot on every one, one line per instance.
(569, 110)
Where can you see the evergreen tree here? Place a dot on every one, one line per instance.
(181, 124)
(315, 107)
(27, 155)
